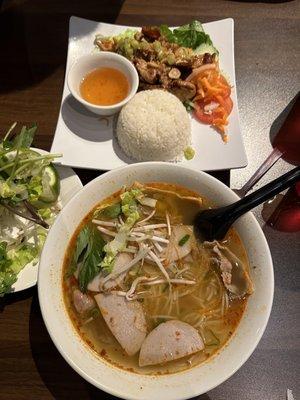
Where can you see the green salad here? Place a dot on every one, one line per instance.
(29, 190)
(191, 38)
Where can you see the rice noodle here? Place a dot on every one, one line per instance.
(173, 268)
(170, 299)
(210, 296)
(186, 292)
(175, 281)
(147, 218)
(181, 271)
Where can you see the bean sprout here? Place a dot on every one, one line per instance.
(106, 231)
(168, 224)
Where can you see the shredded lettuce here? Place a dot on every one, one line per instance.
(12, 262)
(4, 262)
(7, 279)
(12, 191)
(20, 167)
(35, 188)
(129, 208)
(20, 258)
(21, 186)
(45, 213)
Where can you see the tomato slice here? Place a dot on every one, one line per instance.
(201, 115)
(226, 108)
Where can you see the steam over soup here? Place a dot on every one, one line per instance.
(142, 292)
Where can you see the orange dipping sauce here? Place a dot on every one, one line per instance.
(104, 87)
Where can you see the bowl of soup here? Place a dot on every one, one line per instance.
(135, 303)
(103, 82)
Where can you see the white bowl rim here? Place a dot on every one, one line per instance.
(100, 55)
(122, 394)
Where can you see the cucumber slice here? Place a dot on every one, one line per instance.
(51, 185)
(206, 48)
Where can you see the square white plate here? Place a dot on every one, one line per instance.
(87, 141)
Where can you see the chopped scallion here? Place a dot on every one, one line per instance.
(183, 240)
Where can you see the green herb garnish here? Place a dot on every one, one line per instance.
(189, 153)
(183, 240)
(189, 105)
(89, 253)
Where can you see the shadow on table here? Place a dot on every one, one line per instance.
(15, 298)
(59, 378)
(34, 37)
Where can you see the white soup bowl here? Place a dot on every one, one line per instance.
(125, 384)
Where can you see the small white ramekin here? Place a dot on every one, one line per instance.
(90, 62)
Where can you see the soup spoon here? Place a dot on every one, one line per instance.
(214, 223)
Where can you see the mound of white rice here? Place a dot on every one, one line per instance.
(154, 125)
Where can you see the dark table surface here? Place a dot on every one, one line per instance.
(33, 44)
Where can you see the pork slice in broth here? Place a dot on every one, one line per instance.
(235, 277)
(169, 341)
(82, 302)
(125, 319)
(180, 244)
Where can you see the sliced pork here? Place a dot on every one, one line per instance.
(125, 319)
(82, 302)
(169, 341)
(233, 272)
